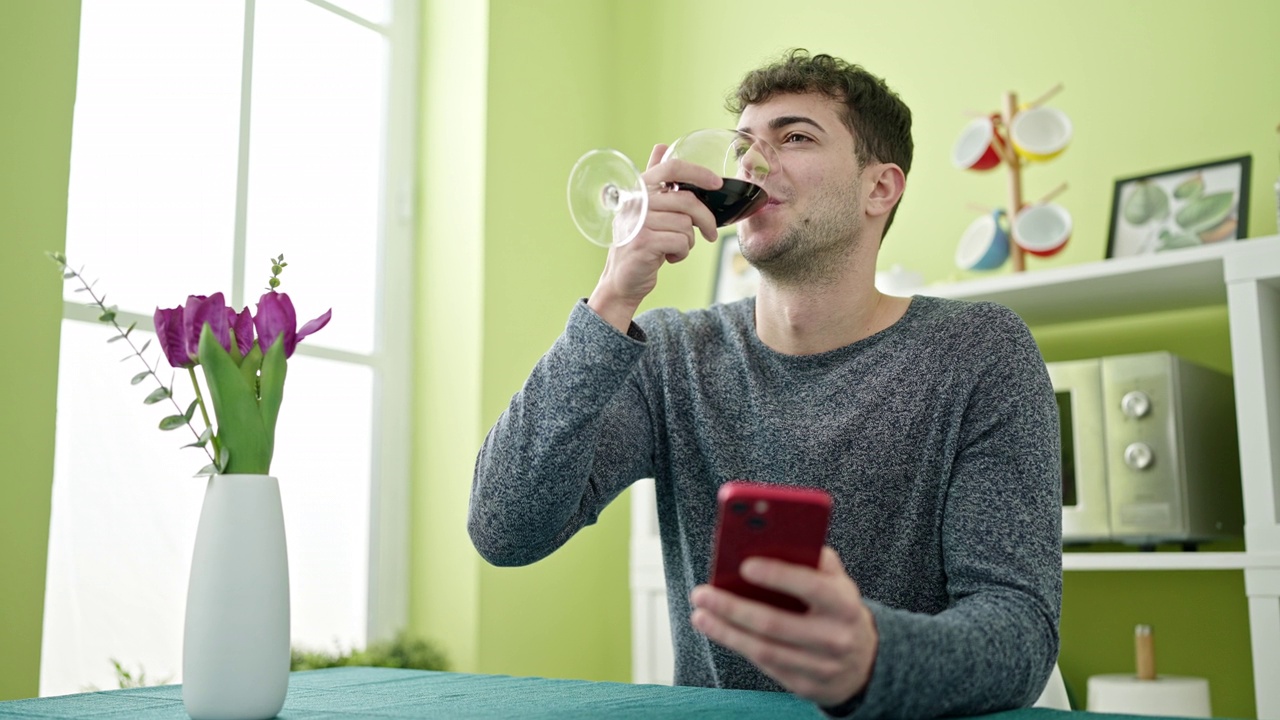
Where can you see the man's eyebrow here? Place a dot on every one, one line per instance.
(784, 120)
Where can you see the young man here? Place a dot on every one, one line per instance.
(931, 422)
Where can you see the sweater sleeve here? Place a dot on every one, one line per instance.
(994, 647)
(570, 441)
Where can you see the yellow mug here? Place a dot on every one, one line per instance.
(1040, 133)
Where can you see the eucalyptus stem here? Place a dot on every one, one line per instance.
(109, 315)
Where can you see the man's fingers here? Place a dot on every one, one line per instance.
(817, 634)
(829, 589)
(789, 665)
(687, 203)
(829, 561)
(655, 156)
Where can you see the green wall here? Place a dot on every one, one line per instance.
(1160, 83)
(37, 87)
(513, 92)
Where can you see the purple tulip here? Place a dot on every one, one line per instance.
(242, 323)
(172, 335)
(178, 329)
(277, 319)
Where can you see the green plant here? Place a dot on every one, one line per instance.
(244, 375)
(405, 651)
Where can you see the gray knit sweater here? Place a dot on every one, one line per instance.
(937, 438)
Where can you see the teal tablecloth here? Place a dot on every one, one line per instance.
(386, 693)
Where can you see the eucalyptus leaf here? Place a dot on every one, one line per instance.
(145, 345)
(191, 409)
(206, 471)
(172, 422)
(224, 457)
(139, 377)
(129, 329)
(160, 393)
(68, 275)
(204, 439)
(117, 337)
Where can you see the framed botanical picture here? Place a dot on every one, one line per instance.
(735, 277)
(1179, 208)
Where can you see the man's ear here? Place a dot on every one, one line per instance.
(886, 183)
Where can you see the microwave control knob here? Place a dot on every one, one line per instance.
(1135, 404)
(1139, 456)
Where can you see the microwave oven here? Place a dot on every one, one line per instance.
(1149, 451)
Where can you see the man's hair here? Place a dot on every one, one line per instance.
(877, 117)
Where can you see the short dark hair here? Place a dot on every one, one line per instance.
(877, 117)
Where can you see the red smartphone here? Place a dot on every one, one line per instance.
(773, 521)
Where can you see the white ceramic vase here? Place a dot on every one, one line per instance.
(235, 651)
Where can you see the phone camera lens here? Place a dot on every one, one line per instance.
(755, 522)
(738, 507)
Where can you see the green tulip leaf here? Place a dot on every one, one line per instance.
(244, 445)
(250, 364)
(271, 385)
(1205, 212)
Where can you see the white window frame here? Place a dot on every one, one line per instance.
(391, 359)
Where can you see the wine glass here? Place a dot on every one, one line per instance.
(608, 199)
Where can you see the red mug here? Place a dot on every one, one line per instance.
(978, 146)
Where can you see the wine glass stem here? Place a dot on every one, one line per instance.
(611, 197)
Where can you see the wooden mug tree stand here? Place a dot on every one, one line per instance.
(1014, 163)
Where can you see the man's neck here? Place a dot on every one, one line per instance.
(806, 320)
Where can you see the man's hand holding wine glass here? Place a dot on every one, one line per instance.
(667, 235)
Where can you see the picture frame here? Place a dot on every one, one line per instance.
(735, 278)
(1181, 207)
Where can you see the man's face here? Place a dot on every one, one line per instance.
(814, 217)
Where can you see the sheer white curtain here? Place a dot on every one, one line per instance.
(209, 136)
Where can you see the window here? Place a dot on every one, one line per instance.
(208, 137)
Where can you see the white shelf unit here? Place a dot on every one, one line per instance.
(1245, 275)
(1168, 560)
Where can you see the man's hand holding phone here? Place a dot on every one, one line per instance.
(824, 653)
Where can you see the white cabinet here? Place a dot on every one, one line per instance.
(1245, 275)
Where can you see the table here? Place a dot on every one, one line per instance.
(359, 692)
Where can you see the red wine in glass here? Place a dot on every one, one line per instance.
(734, 201)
